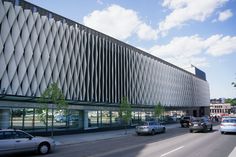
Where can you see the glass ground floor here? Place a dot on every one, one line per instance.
(44, 119)
(33, 118)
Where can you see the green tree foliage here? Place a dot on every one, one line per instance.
(234, 84)
(158, 110)
(125, 112)
(53, 96)
(231, 101)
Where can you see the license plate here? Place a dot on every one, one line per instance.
(195, 125)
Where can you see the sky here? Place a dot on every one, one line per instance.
(182, 32)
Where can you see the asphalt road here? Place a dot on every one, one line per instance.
(177, 142)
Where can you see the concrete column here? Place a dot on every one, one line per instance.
(81, 119)
(4, 118)
(85, 119)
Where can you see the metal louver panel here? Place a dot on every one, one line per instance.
(36, 50)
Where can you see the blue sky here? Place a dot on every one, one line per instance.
(183, 32)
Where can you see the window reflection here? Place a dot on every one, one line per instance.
(17, 115)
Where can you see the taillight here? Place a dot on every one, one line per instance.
(222, 125)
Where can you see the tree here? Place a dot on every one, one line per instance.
(234, 84)
(125, 112)
(53, 96)
(231, 101)
(158, 110)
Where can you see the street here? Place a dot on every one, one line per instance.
(176, 142)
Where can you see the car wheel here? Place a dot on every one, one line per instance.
(222, 132)
(153, 132)
(190, 131)
(163, 130)
(43, 148)
(138, 133)
(211, 128)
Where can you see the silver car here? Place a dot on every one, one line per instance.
(150, 127)
(228, 124)
(14, 141)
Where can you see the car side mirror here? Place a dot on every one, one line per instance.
(30, 138)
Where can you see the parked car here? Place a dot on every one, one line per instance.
(60, 118)
(228, 124)
(63, 118)
(200, 124)
(184, 121)
(150, 127)
(14, 141)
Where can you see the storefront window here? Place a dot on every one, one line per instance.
(115, 118)
(106, 118)
(40, 121)
(93, 118)
(135, 118)
(60, 120)
(29, 119)
(17, 116)
(73, 119)
(142, 116)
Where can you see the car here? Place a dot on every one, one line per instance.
(14, 141)
(200, 124)
(63, 118)
(60, 118)
(184, 121)
(150, 127)
(228, 124)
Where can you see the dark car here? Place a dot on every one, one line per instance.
(184, 121)
(200, 124)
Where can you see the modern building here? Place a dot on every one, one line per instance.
(94, 71)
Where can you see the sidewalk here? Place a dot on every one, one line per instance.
(86, 137)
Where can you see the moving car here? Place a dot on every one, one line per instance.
(200, 124)
(150, 127)
(184, 121)
(14, 141)
(228, 124)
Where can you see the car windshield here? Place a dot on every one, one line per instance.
(229, 121)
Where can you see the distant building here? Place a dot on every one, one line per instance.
(218, 107)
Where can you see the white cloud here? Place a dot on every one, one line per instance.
(99, 2)
(120, 23)
(183, 51)
(186, 10)
(180, 46)
(145, 32)
(225, 15)
(218, 45)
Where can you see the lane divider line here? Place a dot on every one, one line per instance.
(172, 151)
(233, 153)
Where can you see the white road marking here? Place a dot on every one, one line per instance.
(172, 151)
(233, 153)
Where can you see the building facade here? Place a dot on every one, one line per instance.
(94, 71)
